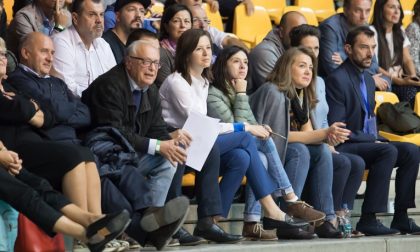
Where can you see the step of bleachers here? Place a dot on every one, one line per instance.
(384, 243)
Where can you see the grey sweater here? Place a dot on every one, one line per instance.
(271, 107)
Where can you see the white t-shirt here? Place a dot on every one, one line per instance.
(390, 42)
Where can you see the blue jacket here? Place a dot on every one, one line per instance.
(345, 100)
(52, 95)
(111, 150)
(334, 31)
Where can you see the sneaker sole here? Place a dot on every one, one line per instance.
(170, 213)
(180, 223)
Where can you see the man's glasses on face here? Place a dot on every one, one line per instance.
(201, 20)
(146, 62)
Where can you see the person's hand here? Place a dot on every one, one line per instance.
(10, 161)
(60, 18)
(37, 120)
(214, 5)
(156, 24)
(380, 83)
(336, 58)
(249, 6)
(172, 152)
(332, 149)
(239, 85)
(257, 130)
(181, 137)
(411, 82)
(338, 132)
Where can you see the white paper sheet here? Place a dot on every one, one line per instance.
(204, 131)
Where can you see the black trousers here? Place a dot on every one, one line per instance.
(380, 159)
(206, 185)
(347, 177)
(34, 197)
(227, 9)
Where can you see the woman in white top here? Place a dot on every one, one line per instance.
(393, 49)
(185, 91)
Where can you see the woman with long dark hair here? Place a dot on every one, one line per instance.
(393, 51)
(185, 91)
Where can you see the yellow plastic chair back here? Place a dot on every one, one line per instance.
(157, 8)
(323, 8)
(308, 13)
(8, 4)
(215, 18)
(273, 7)
(251, 29)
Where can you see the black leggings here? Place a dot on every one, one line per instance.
(34, 197)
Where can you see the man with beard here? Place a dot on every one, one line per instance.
(81, 55)
(351, 97)
(129, 16)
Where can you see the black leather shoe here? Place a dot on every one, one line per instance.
(214, 233)
(187, 239)
(327, 230)
(157, 217)
(161, 237)
(295, 233)
(106, 229)
(407, 226)
(288, 223)
(375, 227)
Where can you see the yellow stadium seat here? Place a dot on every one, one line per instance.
(407, 4)
(417, 104)
(408, 18)
(381, 97)
(189, 180)
(308, 13)
(157, 8)
(215, 18)
(8, 4)
(251, 29)
(273, 7)
(340, 10)
(323, 8)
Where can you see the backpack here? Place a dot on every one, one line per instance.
(398, 118)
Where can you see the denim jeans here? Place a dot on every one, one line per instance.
(312, 165)
(271, 160)
(239, 157)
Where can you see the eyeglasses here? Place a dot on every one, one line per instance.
(202, 20)
(147, 62)
(3, 55)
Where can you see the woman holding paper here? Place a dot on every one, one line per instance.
(227, 100)
(185, 91)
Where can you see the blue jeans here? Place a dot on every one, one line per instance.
(239, 158)
(271, 160)
(312, 164)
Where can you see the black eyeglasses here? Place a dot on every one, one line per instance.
(147, 62)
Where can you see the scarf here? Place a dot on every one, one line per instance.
(300, 109)
(169, 45)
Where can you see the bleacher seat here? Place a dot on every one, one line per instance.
(251, 29)
(214, 17)
(417, 104)
(381, 97)
(8, 4)
(274, 8)
(157, 8)
(307, 12)
(408, 18)
(407, 4)
(323, 8)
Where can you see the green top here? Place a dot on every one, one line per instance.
(229, 109)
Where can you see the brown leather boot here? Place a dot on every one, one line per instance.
(302, 210)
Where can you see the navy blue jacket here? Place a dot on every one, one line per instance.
(53, 95)
(345, 99)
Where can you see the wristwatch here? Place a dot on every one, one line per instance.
(59, 27)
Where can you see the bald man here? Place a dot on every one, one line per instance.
(265, 55)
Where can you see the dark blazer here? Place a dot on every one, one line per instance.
(110, 101)
(52, 94)
(346, 101)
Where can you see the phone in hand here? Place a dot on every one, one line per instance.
(413, 78)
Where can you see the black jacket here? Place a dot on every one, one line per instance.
(110, 101)
(53, 95)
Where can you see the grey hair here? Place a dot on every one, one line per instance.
(133, 46)
(2, 44)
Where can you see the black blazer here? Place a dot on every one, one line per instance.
(110, 101)
(345, 99)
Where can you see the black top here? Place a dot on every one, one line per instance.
(117, 46)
